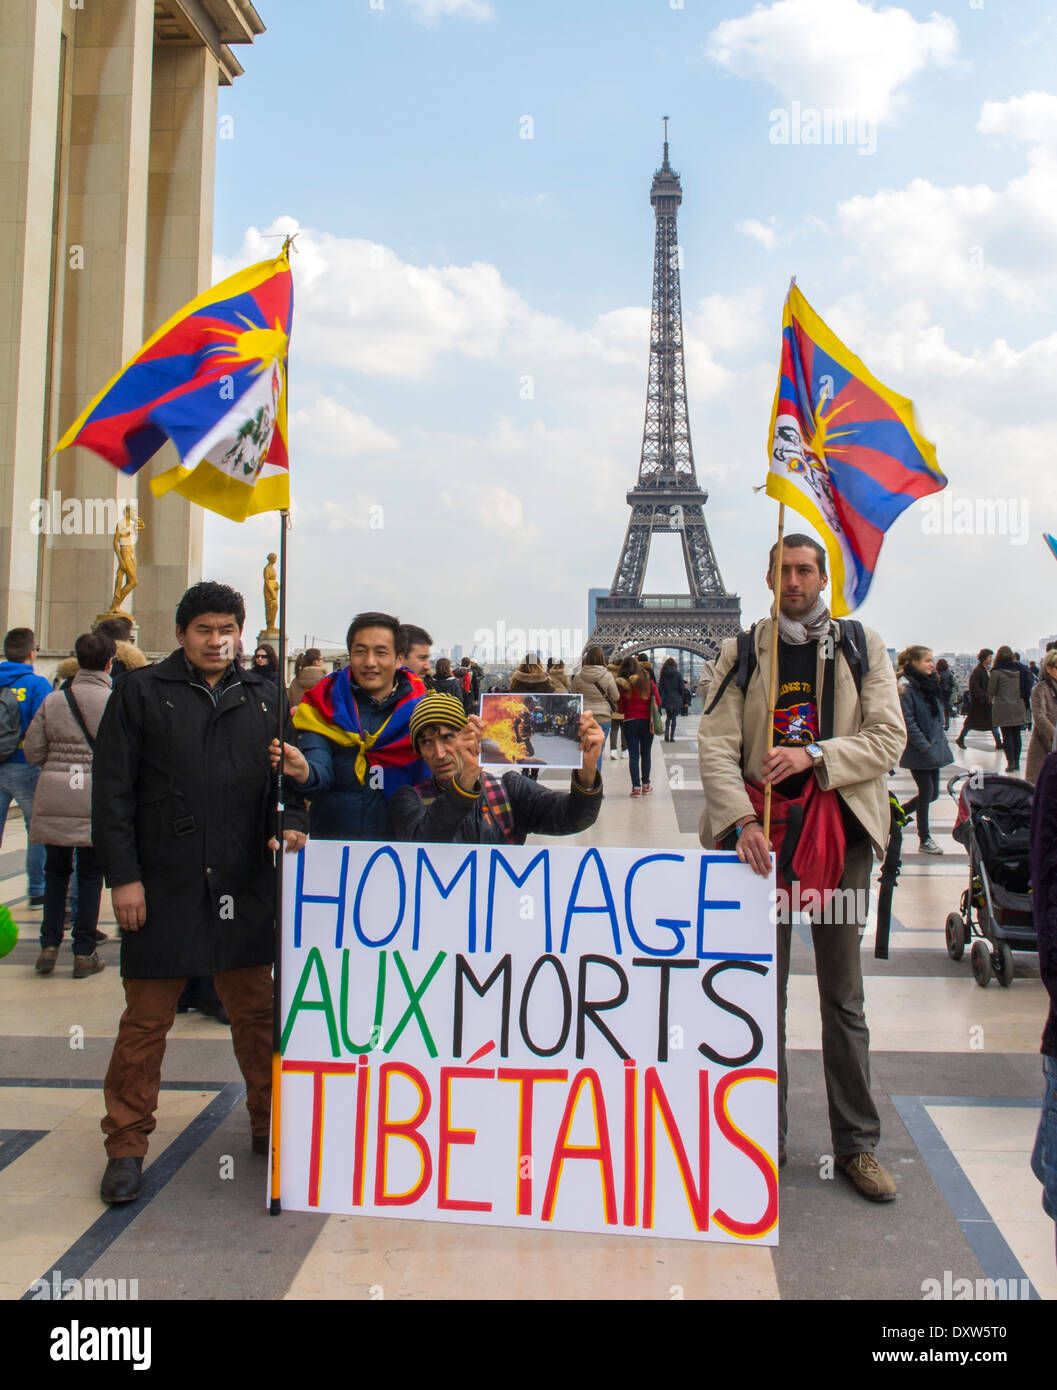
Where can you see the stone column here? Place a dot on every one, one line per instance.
(30, 57)
(102, 270)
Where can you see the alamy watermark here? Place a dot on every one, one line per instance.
(56, 1287)
(841, 906)
(810, 125)
(81, 516)
(946, 515)
(513, 644)
(984, 1289)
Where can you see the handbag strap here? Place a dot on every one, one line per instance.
(75, 710)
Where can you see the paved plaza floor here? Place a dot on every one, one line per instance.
(955, 1069)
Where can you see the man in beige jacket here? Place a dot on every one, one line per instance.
(868, 736)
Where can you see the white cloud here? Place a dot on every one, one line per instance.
(837, 54)
(766, 233)
(1031, 117)
(355, 514)
(327, 427)
(964, 241)
(433, 11)
(361, 308)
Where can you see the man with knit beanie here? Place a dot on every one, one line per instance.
(463, 804)
(838, 729)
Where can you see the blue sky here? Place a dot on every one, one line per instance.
(446, 260)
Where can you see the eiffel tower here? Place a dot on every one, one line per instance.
(667, 496)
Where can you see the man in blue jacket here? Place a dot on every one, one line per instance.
(354, 746)
(18, 778)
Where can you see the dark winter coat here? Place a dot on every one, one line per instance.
(456, 817)
(452, 685)
(1044, 888)
(181, 801)
(927, 745)
(671, 689)
(980, 699)
(946, 680)
(1005, 686)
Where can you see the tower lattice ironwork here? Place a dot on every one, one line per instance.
(667, 496)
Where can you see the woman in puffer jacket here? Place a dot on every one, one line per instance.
(595, 683)
(62, 803)
(1009, 686)
(308, 671)
(927, 748)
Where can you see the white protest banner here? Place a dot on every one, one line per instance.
(559, 1038)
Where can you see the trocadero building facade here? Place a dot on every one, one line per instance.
(108, 130)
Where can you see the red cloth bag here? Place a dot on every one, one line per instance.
(817, 859)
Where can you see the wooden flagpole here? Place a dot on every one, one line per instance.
(772, 694)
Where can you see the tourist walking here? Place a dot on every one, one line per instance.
(636, 705)
(927, 750)
(1009, 686)
(595, 683)
(18, 778)
(618, 743)
(979, 715)
(1044, 716)
(945, 676)
(670, 687)
(61, 742)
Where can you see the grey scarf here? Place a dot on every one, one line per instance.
(812, 628)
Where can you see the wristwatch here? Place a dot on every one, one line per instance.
(814, 752)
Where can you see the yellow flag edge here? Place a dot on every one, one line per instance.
(239, 283)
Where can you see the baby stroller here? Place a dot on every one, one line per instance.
(994, 825)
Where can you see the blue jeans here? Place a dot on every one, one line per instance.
(639, 734)
(19, 780)
(1044, 1156)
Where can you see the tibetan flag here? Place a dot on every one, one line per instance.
(1051, 543)
(845, 452)
(213, 380)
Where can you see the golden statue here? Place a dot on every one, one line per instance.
(125, 533)
(271, 593)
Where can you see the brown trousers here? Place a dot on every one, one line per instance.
(133, 1078)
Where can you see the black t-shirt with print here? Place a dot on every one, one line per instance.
(796, 721)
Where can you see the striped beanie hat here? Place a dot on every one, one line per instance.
(436, 708)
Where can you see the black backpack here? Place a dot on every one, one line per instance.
(10, 722)
(851, 639)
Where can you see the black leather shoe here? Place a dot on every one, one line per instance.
(122, 1179)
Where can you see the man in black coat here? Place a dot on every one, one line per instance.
(462, 804)
(181, 817)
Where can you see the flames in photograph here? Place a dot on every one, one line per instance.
(498, 714)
